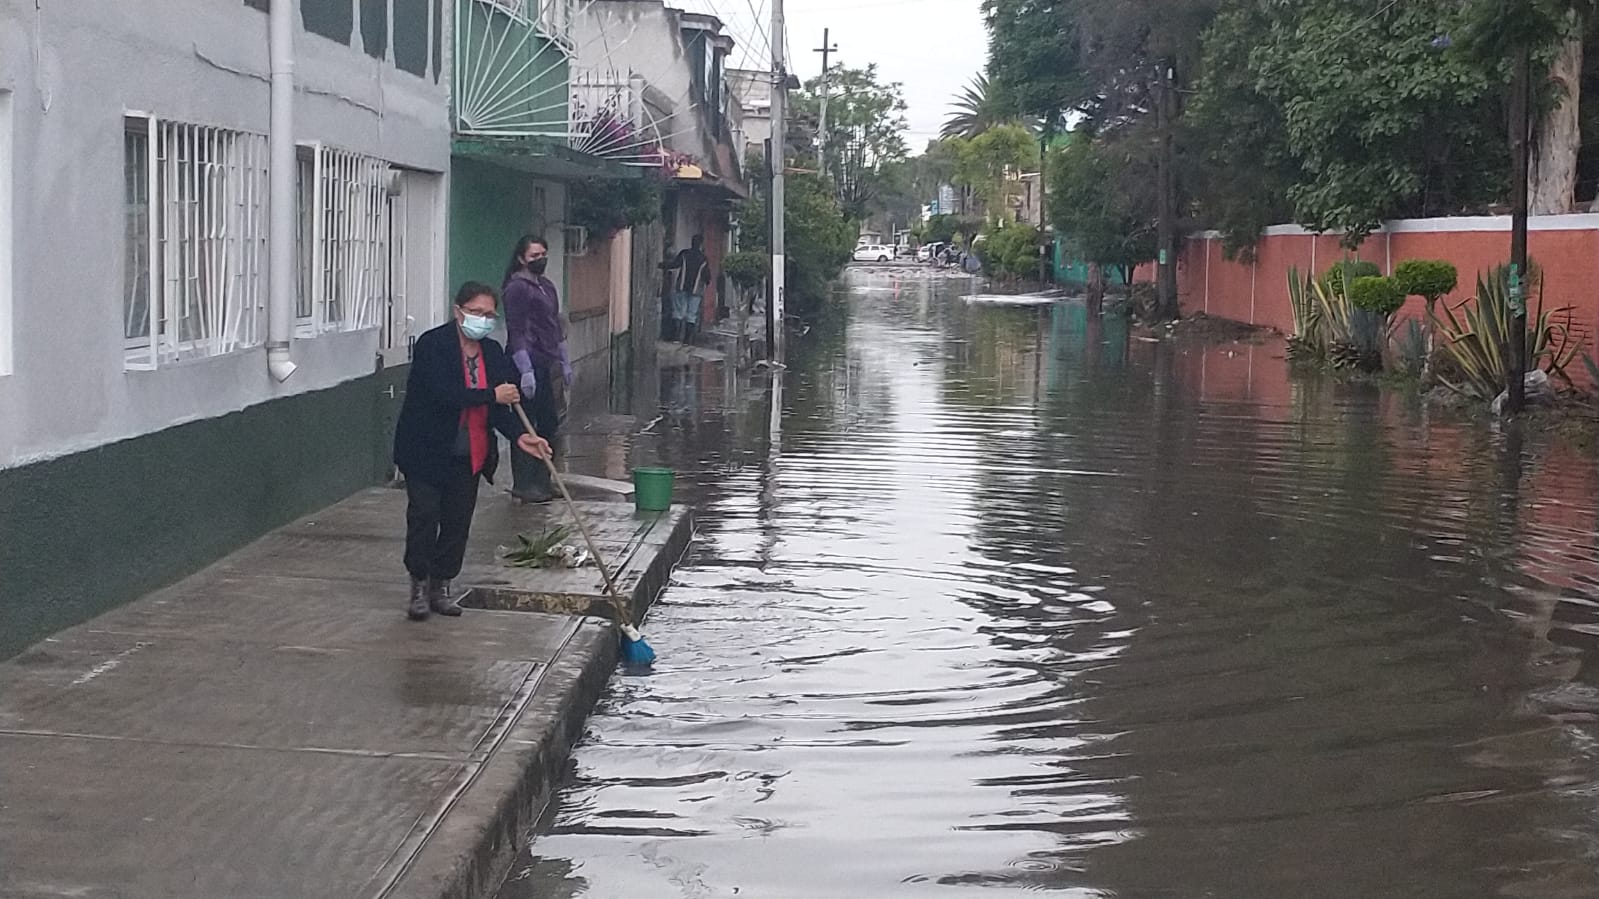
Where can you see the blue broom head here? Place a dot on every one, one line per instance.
(635, 652)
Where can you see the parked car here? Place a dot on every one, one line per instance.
(873, 253)
(929, 252)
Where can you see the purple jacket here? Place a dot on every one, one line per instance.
(533, 329)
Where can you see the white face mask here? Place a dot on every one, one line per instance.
(476, 327)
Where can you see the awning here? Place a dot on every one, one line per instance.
(543, 156)
(694, 177)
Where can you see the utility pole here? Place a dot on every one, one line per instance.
(827, 49)
(775, 304)
(1520, 162)
(1166, 284)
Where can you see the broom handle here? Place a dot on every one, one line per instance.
(624, 614)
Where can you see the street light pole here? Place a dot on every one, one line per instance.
(775, 304)
(827, 50)
(1520, 163)
(1166, 273)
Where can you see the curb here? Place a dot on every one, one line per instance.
(470, 851)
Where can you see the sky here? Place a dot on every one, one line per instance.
(932, 47)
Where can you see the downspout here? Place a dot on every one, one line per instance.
(281, 207)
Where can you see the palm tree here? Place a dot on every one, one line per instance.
(974, 110)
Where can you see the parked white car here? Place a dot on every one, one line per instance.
(873, 253)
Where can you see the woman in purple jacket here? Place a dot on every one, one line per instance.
(536, 344)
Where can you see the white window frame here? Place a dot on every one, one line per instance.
(393, 327)
(7, 231)
(348, 216)
(206, 227)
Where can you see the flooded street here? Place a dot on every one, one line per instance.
(1003, 600)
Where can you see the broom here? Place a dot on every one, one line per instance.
(635, 652)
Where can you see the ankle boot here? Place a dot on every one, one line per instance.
(440, 600)
(417, 610)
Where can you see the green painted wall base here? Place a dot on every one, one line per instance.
(621, 371)
(87, 532)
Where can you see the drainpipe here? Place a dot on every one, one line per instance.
(280, 209)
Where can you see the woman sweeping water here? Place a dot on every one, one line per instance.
(460, 385)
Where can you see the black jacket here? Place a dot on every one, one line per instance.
(435, 394)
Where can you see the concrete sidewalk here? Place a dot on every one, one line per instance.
(274, 727)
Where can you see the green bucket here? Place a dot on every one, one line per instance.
(652, 489)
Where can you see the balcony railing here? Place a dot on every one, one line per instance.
(610, 119)
(514, 79)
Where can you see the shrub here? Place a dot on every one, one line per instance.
(748, 271)
(1426, 278)
(1375, 293)
(1477, 339)
(1011, 251)
(606, 206)
(1351, 269)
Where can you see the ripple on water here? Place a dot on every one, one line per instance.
(1015, 602)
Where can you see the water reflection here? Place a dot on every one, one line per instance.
(1002, 596)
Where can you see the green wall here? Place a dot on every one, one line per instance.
(520, 76)
(1070, 267)
(490, 207)
(84, 533)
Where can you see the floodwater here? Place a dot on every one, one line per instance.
(1005, 601)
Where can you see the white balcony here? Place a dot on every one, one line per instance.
(514, 81)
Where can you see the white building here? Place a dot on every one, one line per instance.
(140, 431)
(673, 64)
(753, 87)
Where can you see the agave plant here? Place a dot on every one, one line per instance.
(1327, 324)
(537, 552)
(1478, 338)
(1350, 335)
(1306, 341)
(1412, 349)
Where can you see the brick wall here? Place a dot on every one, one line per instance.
(1565, 247)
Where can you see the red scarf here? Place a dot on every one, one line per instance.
(476, 419)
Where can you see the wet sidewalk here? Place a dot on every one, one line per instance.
(275, 727)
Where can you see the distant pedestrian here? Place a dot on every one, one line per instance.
(688, 288)
(459, 387)
(536, 342)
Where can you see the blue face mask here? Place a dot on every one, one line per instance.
(476, 327)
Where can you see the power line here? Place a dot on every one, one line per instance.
(752, 53)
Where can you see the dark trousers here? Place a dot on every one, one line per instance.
(438, 519)
(544, 410)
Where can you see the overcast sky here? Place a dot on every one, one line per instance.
(933, 47)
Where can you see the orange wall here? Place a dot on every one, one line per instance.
(588, 280)
(1565, 247)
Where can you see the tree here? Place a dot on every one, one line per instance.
(897, 201)
(945, 228)
(1104, 201)
(976, 110)
(1551, 33)
(1354, 148)
(1035, 57)
(865, 131)
(819, 237)
(937, 166)
(989, 161)
(1239, 166)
